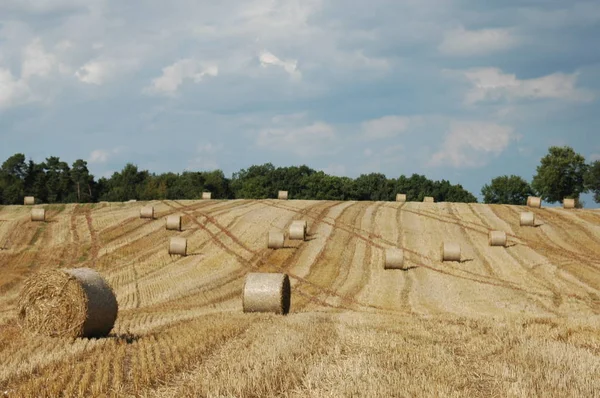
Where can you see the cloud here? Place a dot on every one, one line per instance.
(290, 66)
(36, 61)
(335, 169)
(174, 75)
(207, 157)
(12, 91)
(384, 127)
(102, 70)
(493, 84)
(462, 42)
(472, 143)
(102, 155)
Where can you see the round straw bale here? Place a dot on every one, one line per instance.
(178, 245)
(283, 195)
(394, 259)
(38, 214)
(303, 223)
(297, 231)
(206, 195)
(29, 200)
(428, 199)
(527, 219)
(497, 238)
(569, 203)
(67, 303)
(147, 212)
(266, 292)
(450, 251)
(275, 240)
(132, 201)
(400, 197)
(174, 222)
(534, 201)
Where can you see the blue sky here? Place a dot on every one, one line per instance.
(453, 89)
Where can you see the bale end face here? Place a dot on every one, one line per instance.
(497, 238)
(297, 231)
(450, 251)
(29, 200)
(400, 197)
(38, 215)
(178, 246)
(534, 201)
(428, 199)
(527, 219)
(282, 195)
(174, 223)
(394, 259)
(266, 292)
(147, 212)
(569, 203)
(206, 195)
(275, 240)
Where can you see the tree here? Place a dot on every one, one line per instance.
(83, 181)
(511, 190)
(12, 176)
(560, 175)
(592, 180)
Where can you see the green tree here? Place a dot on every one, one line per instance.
(592, 180)
(512, 190)
(82, 181)
(12, 179)
(560, 175)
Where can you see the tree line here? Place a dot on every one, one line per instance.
(562, 173)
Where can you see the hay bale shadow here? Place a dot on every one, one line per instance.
(466, 260)
(127, 338)
(309, 239)
(408, 268)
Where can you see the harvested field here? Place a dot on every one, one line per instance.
(515, 321)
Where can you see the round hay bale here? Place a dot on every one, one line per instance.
(178, 245)
(527, 219)
(29, 200)
(147, 212)
(569, 203)
(266, 292)
(394, 259)
(429, 199)
(497, 238)
(275, 240)
(67, 303)
(174, 222)
(400, 197)
(301, 222)
(534, 201)
(282, 195)
(450, 251)
(206, 195)
(297, 231)
(132, 201)
(38, 215)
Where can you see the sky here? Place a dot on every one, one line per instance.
(452, 89)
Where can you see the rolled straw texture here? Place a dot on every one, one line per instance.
(178, 245)
(275, 240)
(206, 195)
(174, 222)
(569, 203)
(38, 215)
(527, 219)
(400, 197)
(29, 200)
(534, 201)
(297, 231)
(428, 199)
(497, 238)
(67, 303)
(450, 251)
(394, 259)
(147, 212)
(266, 292)
(283, 195)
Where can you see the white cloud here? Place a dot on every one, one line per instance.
(102, 70)
(207, 157)
(36, 61)
(335, 169)
(460, 41)
(12, 91)
(493, 84)
(472, 143)
(290, 66)
(174, 75)
(102, 155)
(384, 127)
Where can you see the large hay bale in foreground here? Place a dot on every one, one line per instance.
(38, 215)
(534, 201)
(174, 222)
(497, 238)
(282, 195)
(29, 200)
(266, 292)
(206, 195)
(450, 251)
(569, 203)
(400, 197)
(428, 199)
(67, 303)
(297, 232)
(147, 212)
(527, 219)
(275, 240)
(394, 259)
(178, 245)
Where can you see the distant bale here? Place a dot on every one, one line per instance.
(38, 215)
(569, 203)
(67, 303)
(394, 259)
(174, 222)
(428, 199)
(534, 201)
(147, 212)
(266, 292)
(29, 200)
(400, 197)
(303, 223)
(275, 240)
(497, 238)
(297, 231)
(450, 251)
(178, 245)
(206, 195)
(282, 195)
(132, 201)
(527, 219)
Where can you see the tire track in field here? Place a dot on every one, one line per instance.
(74, 235)
(95, 248)
(407, 277)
